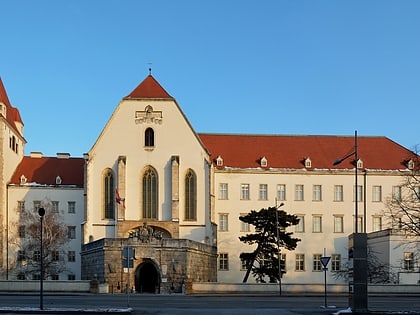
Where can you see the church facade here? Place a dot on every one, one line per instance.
(154, 204)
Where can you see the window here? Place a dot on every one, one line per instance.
(244, 226)
(223, 191)
(223, 222)
(71, 277)
(360, 225)
(149, 137)
(190, 196)
(54, 206)
(71, 232)
(298, 192)
(223, 261)
(21, 255)
(338, 193)
(244, 264)
(300, 227)
(37, 205)
(55, 255)
(54, 277)
(71, 207)
(317, 266)
(300, 262)
(338, 224)
(409, 261)
(377, 223)
(335, 262)
(397, 223)
(281, 192)
(150, 194)
(263, 192)
(21, 276)
(71, 256)
(36, 255)
(22, 231)
(377, 193)
(396, 193)
(244, 191)
(359, 195)
(317, 193)
(36, 276)
(21, 206)
(416, 194)
(317, 224)
(283, 262)
(108, 195)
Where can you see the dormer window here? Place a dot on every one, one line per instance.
(23, 179)
(58, 180)
(359, 163)
(263, 162)
(308, 163)
(410, 164)
(219, 161)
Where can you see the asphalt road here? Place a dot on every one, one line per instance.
(209, 304)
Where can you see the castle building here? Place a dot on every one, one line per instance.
(154, 204)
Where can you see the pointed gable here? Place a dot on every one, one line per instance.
(149, 88)
(12, 114)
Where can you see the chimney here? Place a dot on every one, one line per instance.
(63, 155)
(36, 155)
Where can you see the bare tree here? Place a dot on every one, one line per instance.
(26, 242)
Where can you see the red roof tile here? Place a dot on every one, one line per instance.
(12, 113)
(245, 151)
(44, 171)
(149, 88)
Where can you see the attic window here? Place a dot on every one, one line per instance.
(23, 179)
(219, 161)
(410, 164)
(58, 180)
(263, 162)
(308, 163)
(359, 163)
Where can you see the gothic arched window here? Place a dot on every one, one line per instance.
(190, 196)
(149, 137)
(108, 195)
(150, 194)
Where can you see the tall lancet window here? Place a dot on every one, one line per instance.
(190, 196)
(150, 194)
(149, 137)
(108, 195)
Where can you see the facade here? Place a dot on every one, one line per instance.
(150, 182)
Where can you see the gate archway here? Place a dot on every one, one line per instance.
(147, 278)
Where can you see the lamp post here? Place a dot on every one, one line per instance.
(41, 212)
(278, 243)
(357, 250)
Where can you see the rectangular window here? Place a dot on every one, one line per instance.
(335, 262)
(300, 227)
(54, 277)
(54, 206)
(300, 262)
(71, 207)
(244, 226)
(376, 193)
(36, 276)
(223, 222)
(377, 223)
(37, 205)
(21, 206)
(281, 192)
(71, 232)
(55, 255)
(338, 193)
(409, 261)
(397, 223)
(317, 266)
(317, 193)
(263, 192)
(244, 191)
(21, 255)
(283, 263)
(299, 192)
(71, 256)
(396, 193)
(359, 196)
(338, 224)
(223, 261)
(71, 277)
(21, 276)
(317, 224)
(244, 264)
(22, 231)
(360, 227)
(37, 255)
(223, 191)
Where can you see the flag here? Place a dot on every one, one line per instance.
(118, 199)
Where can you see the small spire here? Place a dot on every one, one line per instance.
(150, 68)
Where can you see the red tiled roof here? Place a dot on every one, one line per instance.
(44, 171)
(12, 113)
(149, 88)
(245, 151)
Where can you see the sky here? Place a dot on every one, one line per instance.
(295, 67)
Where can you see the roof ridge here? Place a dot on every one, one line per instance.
(149, 88)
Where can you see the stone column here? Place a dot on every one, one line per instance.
(121, 187)
(175, 188)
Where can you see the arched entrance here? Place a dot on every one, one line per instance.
(147, 278)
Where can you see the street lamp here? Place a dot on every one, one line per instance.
(278, 243)
(357, 251)
(41, 212)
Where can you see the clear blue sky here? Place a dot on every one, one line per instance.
(237, 66)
